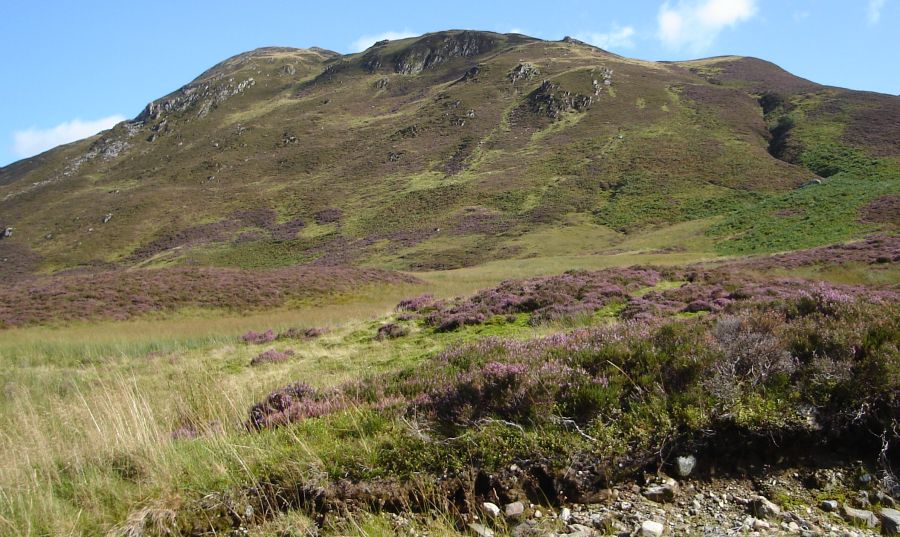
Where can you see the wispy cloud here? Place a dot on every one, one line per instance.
(367, 41)
(874, 11)
(695, 24)
(32, 141)
(618, 38)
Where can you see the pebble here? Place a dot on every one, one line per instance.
(652, 528)
(481, 530)
(685, 465)
(491, 509)
(763, 508)
(514, 509)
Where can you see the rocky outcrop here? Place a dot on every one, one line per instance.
(430, 51)
(202, 97)
(551, 100)
(523, 71)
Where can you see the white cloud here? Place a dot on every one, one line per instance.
(874, 12)
(617, 38)
(367, 41)
(32, 141)
(695, 24)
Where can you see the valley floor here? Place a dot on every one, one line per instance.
(145, 427)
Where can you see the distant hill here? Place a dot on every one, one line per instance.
(456, 148)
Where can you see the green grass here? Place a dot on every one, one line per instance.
(803, 218)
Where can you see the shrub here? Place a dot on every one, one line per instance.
(293, 403)
(271, 356)
(752, 354)
(416, 304)
(302, 333)
(391, 331)
(259, 338)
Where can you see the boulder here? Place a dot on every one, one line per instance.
(890, 521)
(761, 507)
(514, 510)
(861, 517)
(664, 492)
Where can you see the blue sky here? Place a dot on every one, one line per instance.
(70, 69)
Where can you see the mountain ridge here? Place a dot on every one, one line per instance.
(478, 144)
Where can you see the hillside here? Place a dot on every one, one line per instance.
(456, 148)
(468, 284)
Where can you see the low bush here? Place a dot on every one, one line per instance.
(391, 331)
(271, 356)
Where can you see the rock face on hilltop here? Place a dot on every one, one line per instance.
(452, 149)
(431, 51)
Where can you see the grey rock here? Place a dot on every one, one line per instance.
(523, 71)
(7, 232)
(859, 516)
(685, 465)
(514, 509)
(652, 528)
(890, 521)
(430, 52)
(481, 530)
(491, 509)
(763, 508)
(829, 506)
(884, 499)
(565, 514)
(662, 493)
(579, 530)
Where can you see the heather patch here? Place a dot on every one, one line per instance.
(872, 250)
(883, 210)
(271, 356)
(821, 363)
(126, 294)
(646, 293)
(545, 299)
(391, 331)
(260, 338)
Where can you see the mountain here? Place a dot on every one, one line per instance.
(455, 148)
